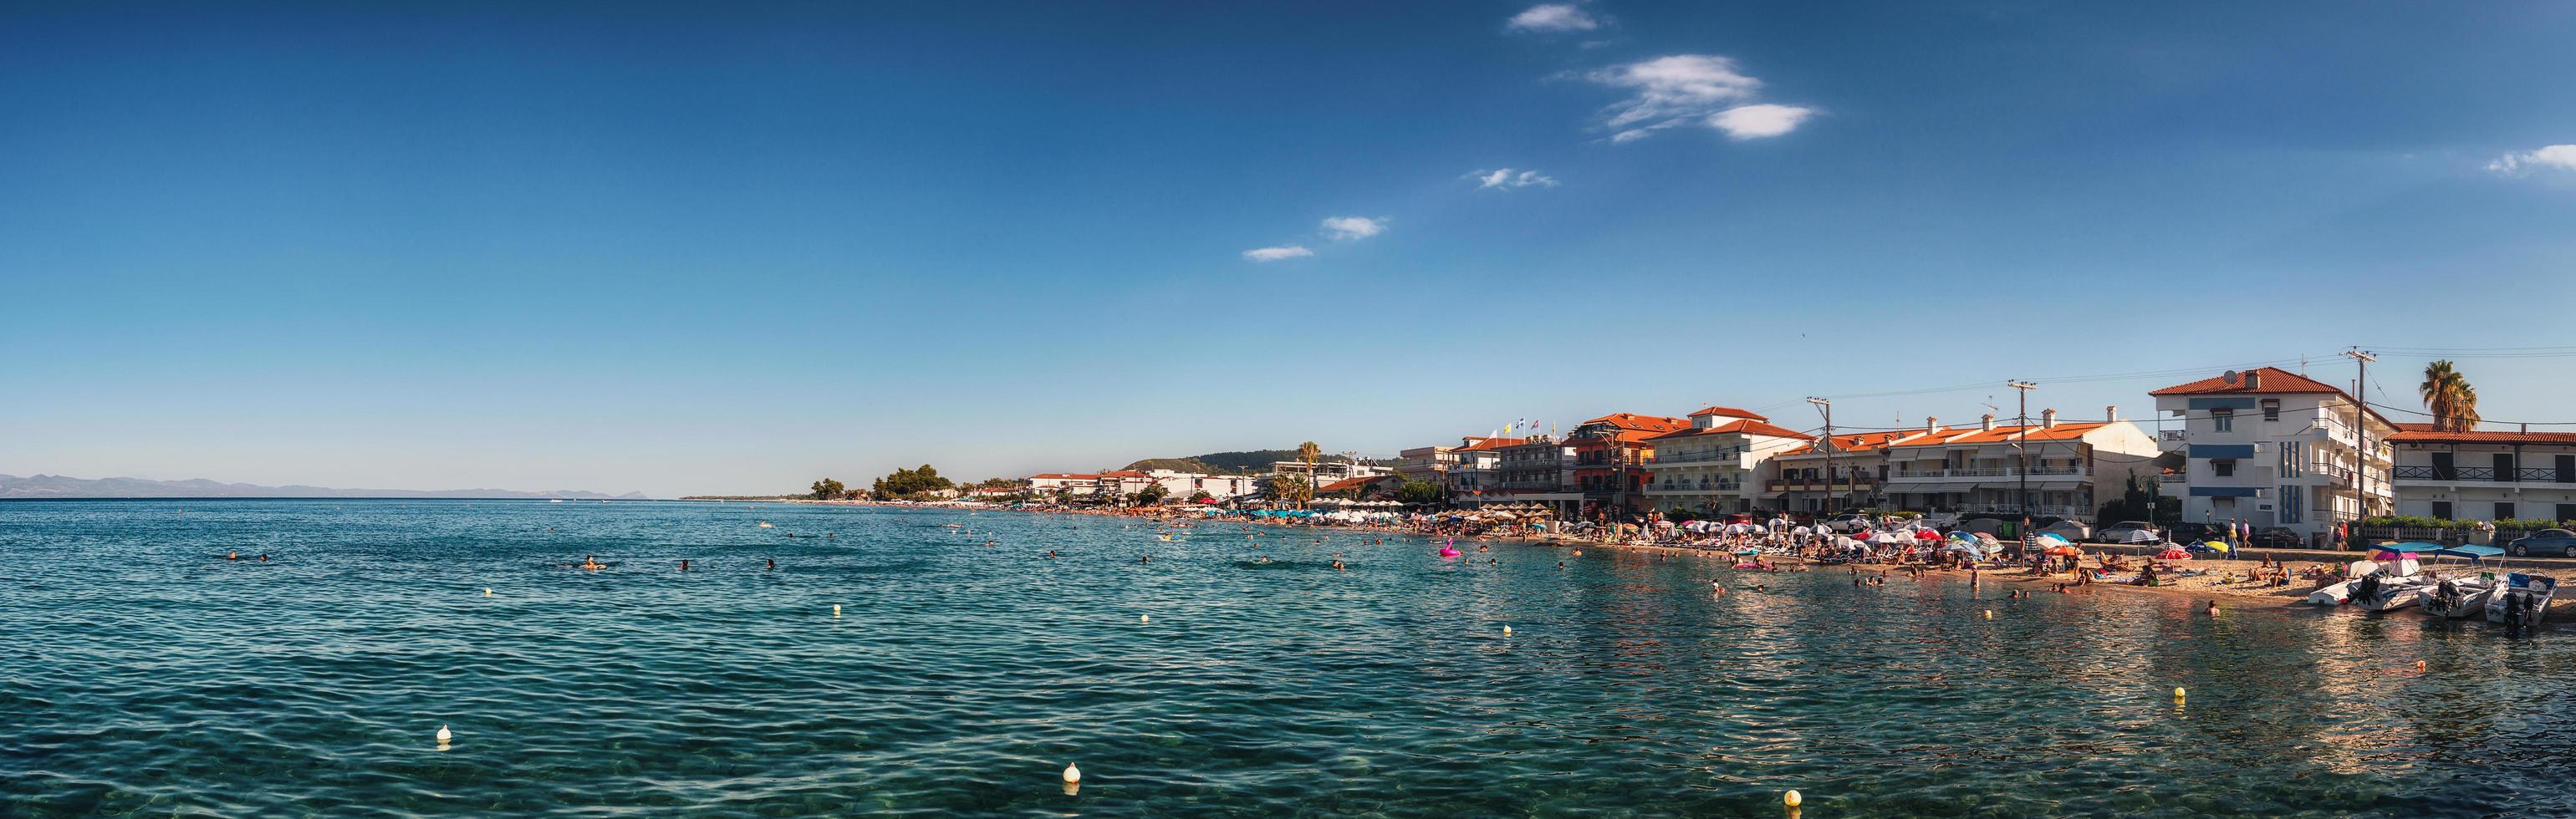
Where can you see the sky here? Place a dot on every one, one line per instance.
(731, 248)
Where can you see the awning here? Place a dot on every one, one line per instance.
(1918, 487)
(2057, 486)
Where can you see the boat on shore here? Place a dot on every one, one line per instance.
(2379, 591)
(2459, 598)
(2524, 595)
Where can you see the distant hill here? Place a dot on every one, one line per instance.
(57, 486)
(1226, 463)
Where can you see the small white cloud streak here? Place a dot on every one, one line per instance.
(1688, 89)
(1506, 179)
(1759, 121)
(1348, 228)
(2562, 157)
(1554, 17)
(1272, 254)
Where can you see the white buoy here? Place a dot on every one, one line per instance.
(1507, 631)
(487, 591)
(1071, 773)
(1144, 618)
(1791, 799)
(836, 610)
(444, 735)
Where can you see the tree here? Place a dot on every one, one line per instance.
(2447, 393)
(1287, 489)
(827, 489)
(1201, 496)
(1418, 492)
(906, 482)
(1310, 453)
(1153, 493)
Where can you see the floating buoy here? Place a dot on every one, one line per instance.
(1791, 799)
(1990, 614)
(2177, 693)
(836, 610)
(1071, 773)
(2419, 666)
(1144, 618)
(444, 735)
(1507, 631)
(487, 592)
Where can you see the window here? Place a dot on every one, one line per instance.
(2504, 510)
(2222, 419)
(2441, 510)
(2566, 512)
(2223, 467)
(2271, 409)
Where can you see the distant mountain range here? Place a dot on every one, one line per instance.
(57, 486)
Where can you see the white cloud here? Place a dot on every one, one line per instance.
(1272, 254)
(1347, 228)
(1759, 120)
(2562, 157)
(1692, 88)
(1506, 179)
(1554, 17)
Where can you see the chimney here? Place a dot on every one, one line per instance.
(2048, 419)
(2253, 380)
(1988, 423)
(2111, 413)
(1931, 425)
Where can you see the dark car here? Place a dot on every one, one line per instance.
(2276, 537)
(2189, 532)
(2545, 543)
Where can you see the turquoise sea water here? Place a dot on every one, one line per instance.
(141, 675)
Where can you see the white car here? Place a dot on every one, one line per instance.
(1851, 523)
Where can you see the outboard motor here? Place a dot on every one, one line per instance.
(2367, 589)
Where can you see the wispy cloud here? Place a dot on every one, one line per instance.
(1347, 228)
(2561, 157)
(1759, 120)
(1554, 17)
(1272, 254)
(1665, 92)
(1506, 179)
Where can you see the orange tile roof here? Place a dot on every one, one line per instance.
(1123, 473)
(2424, 434)
(1085, 476)
(1492, 443)
(1745, 426)
(1730, 412)
(1858, 442)
(2273, 380)
(2064, 431)
(1633, 421)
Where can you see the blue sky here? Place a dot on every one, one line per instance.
(734, 247)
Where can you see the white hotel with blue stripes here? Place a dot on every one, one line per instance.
(2271, 447)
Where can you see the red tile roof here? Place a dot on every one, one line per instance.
(1123, 473)
(2424, 434)
(1492, 443)
(1730, 412)
(1748, 427)
(1858, 441)
(1079, 476)
(2272, 380)
(2064, 431)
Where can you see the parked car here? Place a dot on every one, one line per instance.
(2068, 529)
(2276, 537)
(2544, 543)
(2120, 532)
(2190, 532)
(1851, 523)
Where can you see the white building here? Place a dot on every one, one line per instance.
(1539, 470)
(1330, 471)
(1716, 465)
(2271, 447)
(2052, 469)
(1477, 474)
(1425, 463)
(1184, 485)
(1073, 483)
(2485, 475)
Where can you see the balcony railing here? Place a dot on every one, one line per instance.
(1694, 486)
(2529, 474)
(2173, 435)
(1987, 472)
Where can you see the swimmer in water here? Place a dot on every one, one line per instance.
(232, 556)
(989, 543)
(1050, 553)
(1337, 566)
(684, 565)
(1144, 558)
(2213, 608)
(1560, 565)
(773, 563)
(591, 562)
(263, 558)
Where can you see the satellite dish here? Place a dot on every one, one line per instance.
(2230, 377)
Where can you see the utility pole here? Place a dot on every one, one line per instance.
(1827, 406)
(2361, 430)
(2021, 450)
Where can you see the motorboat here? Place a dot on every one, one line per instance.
(2379, 591)
(2455, 598)
(2401, 572)
(2527, 595)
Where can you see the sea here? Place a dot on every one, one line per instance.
(934, 662)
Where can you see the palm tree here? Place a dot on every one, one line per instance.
(1310, 453)
(2447, 393)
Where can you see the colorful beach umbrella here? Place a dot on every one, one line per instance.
(2051, 539)
(2173, 554)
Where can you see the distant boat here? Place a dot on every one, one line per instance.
(556, 500)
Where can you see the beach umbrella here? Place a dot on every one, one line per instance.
(1886, 537)
(2062, 550)
(2211, 547)
(1926, 534)
(1973, 552)
(2051, 539)
(1985, 537)
(2173, 554)
(2141, 536)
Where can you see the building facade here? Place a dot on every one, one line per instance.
(2270, 447)
(1610, 457)
(1718, 463)
(2484, 475)
(2050, 469)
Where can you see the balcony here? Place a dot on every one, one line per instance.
(2038, 510)
(2051, 473)
(1847, 484)
(2173, 436)
(1692, 487)
(2173, 478)
(1695, 458)
(2483, 474)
